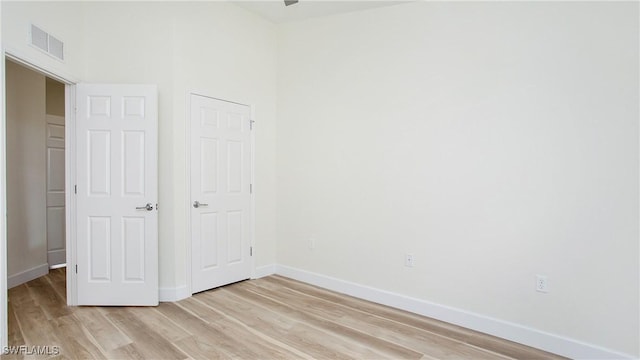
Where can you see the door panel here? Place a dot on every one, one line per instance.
(117, 237)
(56, 242)
(133, 169)
(209, 174)
(133, 247)
(99, 174)
(220, 175)
(99, 242)
(234, 236)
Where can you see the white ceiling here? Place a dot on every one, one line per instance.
(277, 12)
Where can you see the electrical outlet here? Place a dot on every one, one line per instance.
(312, 242)
(542, 284)
(408, 260)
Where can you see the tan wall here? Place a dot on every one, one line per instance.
(26, 197)
(55, 97)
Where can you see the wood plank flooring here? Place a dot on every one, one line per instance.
(268, 318)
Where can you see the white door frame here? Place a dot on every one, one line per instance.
(69, 190)
(4, 332)
(187, 208)
(70, 175)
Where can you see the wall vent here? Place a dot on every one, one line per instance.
(39, 38)
(47, 43)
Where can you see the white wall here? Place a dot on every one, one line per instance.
(492, 141)
(131, 43)
(224, 51)
(61, 19)
(26, 177)
(217, 49)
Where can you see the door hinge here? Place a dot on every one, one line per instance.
(75, 189)
(251, 124)
(250, 250)
(76, 268)
(250, 188)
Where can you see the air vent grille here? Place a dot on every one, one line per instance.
(56, 47)
(47, 43)
(39, 38)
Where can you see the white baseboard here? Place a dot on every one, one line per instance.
(56, 257)
(511, 331)
(27, 275)
(181, 292)
(263, 271)
(173, 294)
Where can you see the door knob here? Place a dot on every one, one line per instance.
(197, 204)
(147, 207)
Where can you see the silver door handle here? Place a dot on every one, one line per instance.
(147, 207)
(197, 204)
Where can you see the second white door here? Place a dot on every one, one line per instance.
(56, 246)
(220, 192)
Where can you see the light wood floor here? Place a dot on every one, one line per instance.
(269, 318)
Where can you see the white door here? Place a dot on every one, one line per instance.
(117, 191)
(220, 192)
(56, 249)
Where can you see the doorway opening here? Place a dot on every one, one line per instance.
(35, 173)
(61, 101)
